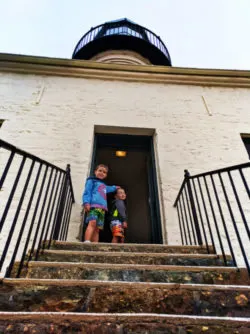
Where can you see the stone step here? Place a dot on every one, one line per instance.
(137, 273)
(36, 322)
(42, 295)
(133, 258)
(145, 248)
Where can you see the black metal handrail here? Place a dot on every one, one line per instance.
(36, 204)
(117, 28)
(213, 208)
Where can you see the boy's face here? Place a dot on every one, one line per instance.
(120, 194)
(101, 172)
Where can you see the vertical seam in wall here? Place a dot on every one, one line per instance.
(40, 94)
(206, 106)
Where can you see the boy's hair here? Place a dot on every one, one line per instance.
(115, 193)
(102, 165)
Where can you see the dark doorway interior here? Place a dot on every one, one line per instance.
(136, 173)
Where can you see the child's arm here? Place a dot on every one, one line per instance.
(86, 196)
(111, 189)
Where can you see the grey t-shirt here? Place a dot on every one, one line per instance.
(120, 205)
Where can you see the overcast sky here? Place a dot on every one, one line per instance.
(197, 33)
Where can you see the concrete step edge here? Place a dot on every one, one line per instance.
(138, 285)
(139, 254)
(146, 317)
(131, 266)
(77, 243)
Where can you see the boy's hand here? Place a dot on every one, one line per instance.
(118, 187)
(87, 207)
(125, 225)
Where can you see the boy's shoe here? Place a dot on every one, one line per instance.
(87, 241)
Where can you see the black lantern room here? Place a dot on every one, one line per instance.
(122, 35)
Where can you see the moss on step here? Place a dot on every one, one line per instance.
(133, 258)
(152, 248)
(105, 324)
(129, 273)
(124, 298)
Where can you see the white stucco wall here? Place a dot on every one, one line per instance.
(58, 126)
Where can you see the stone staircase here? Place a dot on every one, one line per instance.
(130, 288)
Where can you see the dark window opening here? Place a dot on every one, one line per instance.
(1, 122)
(246, 141)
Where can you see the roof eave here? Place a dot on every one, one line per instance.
(145, 73)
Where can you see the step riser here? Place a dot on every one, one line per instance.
(120, 299)
(117, 324)
(136, 275)
(130, 248)
(129, 259)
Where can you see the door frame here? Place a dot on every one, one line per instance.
(155, 211)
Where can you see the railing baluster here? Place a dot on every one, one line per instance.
(52, 210)
(8, 273)
(201, 218)
(223, 222)
(64, 217)
(215, 220)
(179, 219)
(239, 204)
(40, 218)
(6, 169)
(57, 211)
(185, 214)
(68, 220)
(235, 225)
(61, 207)
(6, 210)
(191, 197)
(33, 219)
(68, 171)
(46, 215)
(183, 221)
(190, 216)
(13, 225)
(206, 214)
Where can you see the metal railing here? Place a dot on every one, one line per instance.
(214, 209)
(36, 198)
(124, 27)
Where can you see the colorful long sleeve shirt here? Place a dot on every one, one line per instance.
(95, 193)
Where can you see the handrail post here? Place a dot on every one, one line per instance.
(61, 204)
(193, 208)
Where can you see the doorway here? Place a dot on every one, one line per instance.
(136, 173)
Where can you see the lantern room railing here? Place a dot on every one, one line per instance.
(122, 27)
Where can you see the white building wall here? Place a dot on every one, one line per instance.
(54, 118)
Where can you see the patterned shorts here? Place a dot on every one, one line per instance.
(117, 228)
(98, 215)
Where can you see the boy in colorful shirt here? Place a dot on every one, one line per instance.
(95, 202)
(118, 217)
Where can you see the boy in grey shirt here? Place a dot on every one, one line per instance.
(118, 217)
